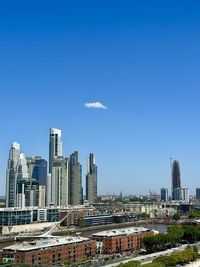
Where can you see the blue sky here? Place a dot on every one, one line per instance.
(141, 59)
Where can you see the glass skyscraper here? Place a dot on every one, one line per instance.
(91, 180)
(11, 175)
(55, 146)
(176, 178)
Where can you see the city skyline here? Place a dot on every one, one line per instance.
(120, 79)
(28, 184)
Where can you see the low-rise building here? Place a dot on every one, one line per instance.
(120, 240)
(51, 251)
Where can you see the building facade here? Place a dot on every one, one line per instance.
(52, 251)
(164, 196)
(176, 178)
(198, 193)
(75, 180)
(55, 146)
(60, 182)
(91, 180)
(11, 175)
(120, 240)
(37, 169)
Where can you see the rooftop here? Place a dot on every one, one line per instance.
(45, 243)
(119, 232)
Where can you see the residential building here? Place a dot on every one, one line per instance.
(198, 193)
(181, 194)
(11, 175)
(42, 194)
(164, 196)
(176, 177)
(55, 146)
(75, 180)
(60, 182)
(91, 180)
(37, 169)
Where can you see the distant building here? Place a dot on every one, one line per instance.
(185, 195)
(75, 180)
(11, 175)
(37, 169)
(176, 178)
(26, 188)
(42, 194)
(60, 182)
(164, 196)
(55, 146)
(181, 194)
(91, 180)
(198, 193)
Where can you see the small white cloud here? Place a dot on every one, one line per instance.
(96, 105)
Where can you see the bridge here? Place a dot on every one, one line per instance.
(47, 234)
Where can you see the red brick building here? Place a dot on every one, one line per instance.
(120, 240)
(50, 251)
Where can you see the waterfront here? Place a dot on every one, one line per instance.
(162, 228)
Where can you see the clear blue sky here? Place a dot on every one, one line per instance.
(141, 59)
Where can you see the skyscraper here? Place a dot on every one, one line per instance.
(11, 175)
(91, 180)
(55, 146)
(60, 181)
(176, 177)
(198, 193)
(22, 179)
(37, 169)
(75, 180)
(164, 194)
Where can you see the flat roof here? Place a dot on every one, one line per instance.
(45, 243)
(60, 209)
(119, 232)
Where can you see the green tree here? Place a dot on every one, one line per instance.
(144, 215)
(176, 216)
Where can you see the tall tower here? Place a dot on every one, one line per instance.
(22, 180)
(75, 180)
(55, 146)
(59, 182)
(11, 175)
(91, 180)
(176, 177)
(37, 169)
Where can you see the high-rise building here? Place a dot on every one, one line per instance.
(181, 194)
(22, 180)
(185, 195)
(55, 146)
(176, 177)
(91, 180)
(60, 181)
(41, 201)
(48, 190)
(75, 180)
(37, 169)
(164, 196)
(11, 175)
(198, 193)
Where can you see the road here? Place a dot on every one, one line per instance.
(150, 257)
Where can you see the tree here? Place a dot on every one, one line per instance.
(144, 215)
(176, 216)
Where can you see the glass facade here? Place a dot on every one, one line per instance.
(20, 217)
